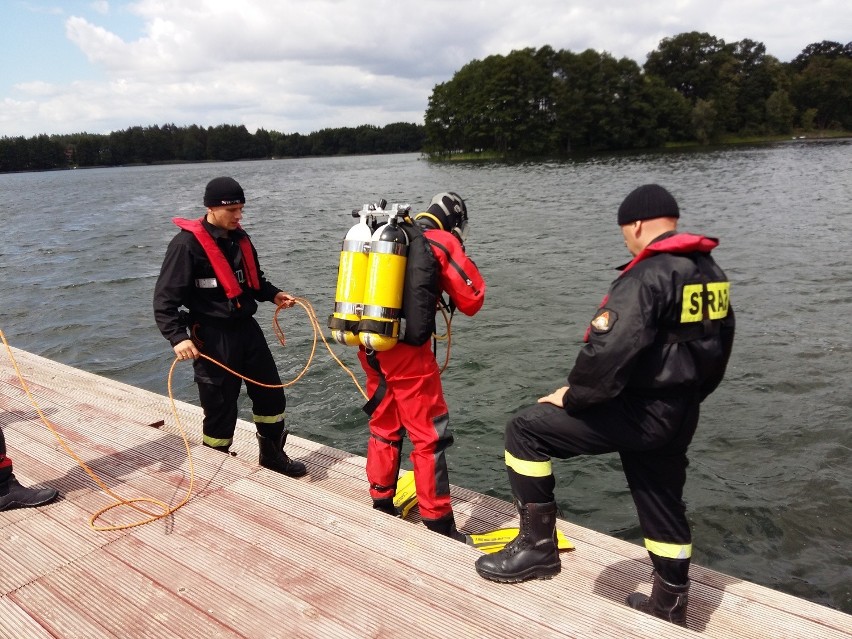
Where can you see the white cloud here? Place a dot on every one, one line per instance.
(100, 6)
(302, 65)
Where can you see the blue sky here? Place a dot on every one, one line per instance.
(69, 66)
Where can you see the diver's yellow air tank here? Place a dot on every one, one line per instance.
(351, 279)
(383, 290)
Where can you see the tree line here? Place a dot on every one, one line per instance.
(170, 143)
(693, 88)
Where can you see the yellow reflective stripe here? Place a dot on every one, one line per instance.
(529, 468)
(212, 441)
(718, 301)
(669, 551)
(268, 419)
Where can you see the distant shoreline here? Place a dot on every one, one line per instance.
(823, 136)
(493, 156)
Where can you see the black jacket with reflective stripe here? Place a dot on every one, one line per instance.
(651, 343)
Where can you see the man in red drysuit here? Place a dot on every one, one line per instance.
(404, 383)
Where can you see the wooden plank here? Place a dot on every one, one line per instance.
(257, 554)
(445, 565)
(18, 623)
(58, 612)
(101, 592)
(344, 578)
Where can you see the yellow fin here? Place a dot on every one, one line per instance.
(495, 540)
(405, 497)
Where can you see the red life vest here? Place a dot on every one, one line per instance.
(679, 243)
(223, 270)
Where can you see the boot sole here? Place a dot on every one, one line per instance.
(12, 505)
(285, 472)
(539, 572)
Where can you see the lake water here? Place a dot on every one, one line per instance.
(769, 490)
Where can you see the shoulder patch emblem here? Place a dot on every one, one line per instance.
(604, 320)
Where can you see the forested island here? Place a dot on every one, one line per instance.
(693, 89)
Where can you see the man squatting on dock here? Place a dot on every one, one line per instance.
(657, 346)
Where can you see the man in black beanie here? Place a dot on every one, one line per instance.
(211, 269)
(657, 346)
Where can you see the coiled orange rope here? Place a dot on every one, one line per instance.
(166, 509)
(119, 500)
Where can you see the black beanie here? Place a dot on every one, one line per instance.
(647, 202)
(223, 191)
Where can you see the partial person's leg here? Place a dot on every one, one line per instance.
(386, 432)
(268, 404)
(219, 401)
(415, 381)
(12, 494)
(533, 437)
(218, 390)
(656, 480)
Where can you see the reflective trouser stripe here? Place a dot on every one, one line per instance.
(529, 468)
(268, 419)
(216, 443)
(669, 551)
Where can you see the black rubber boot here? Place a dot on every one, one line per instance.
(273, 457)
(533, 554)
(13, 495)
(221, 449)
(385, 505)
(667, 601)
(446, 526)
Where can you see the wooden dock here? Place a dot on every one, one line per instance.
(255, 554)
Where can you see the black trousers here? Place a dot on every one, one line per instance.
(650, 435)
(242, 347)
(5, 462)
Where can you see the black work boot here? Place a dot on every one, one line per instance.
(667, 601)
(221, 449)
(385, 505)
(273, 457)
(13, 495)
(533, 554)
(446, 526)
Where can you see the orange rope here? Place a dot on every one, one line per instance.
(121, 501)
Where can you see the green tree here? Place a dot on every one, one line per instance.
(780, 112)
(825, 85)
(703, 67)
(45, 153)
(758, 77)
(441, 122)
(825, 49)
(517, 103)
(401, 137)
(193, 144)
(704, 121)
(13, 154)
(690, 63)
(808, 118)
(672, 111)
(262, 144)
(601, 103)
(228, 142)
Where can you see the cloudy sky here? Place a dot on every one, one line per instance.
(68, 66)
